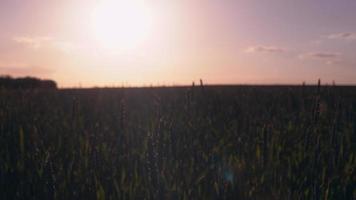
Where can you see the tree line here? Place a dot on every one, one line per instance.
(9, 82)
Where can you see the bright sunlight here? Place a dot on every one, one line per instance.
(121, 24)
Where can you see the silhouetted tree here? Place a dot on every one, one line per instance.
(26, 83)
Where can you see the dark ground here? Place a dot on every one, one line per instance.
(221, 142)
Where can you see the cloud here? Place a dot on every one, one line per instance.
(19, 69)
(327, 57)
(333, 62)
(46, 42)
(32, 42)
(320, 55)
(267, 49)
(343, 36)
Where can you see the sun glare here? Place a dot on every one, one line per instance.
(121, 24)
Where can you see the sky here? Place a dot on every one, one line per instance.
(174, 42)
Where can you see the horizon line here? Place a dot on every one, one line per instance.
(209, 85)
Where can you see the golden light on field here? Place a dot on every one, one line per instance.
(121, 24)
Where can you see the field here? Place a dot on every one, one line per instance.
(201, 142)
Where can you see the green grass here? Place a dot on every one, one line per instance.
(179, 143)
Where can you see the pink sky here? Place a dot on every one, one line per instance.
(222, 42)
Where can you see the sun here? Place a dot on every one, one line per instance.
(121, 24)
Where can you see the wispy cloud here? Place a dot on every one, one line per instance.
(327, 57)
(46, 42)
(320, 55)
(267, 49)
(334, 62)
(32, 42)
(342, 36)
